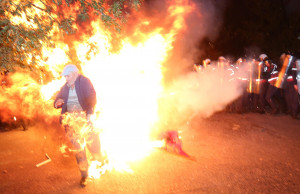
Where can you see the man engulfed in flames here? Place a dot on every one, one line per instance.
(77, 99)
(141, 80)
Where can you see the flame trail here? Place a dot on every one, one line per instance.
(130, 72)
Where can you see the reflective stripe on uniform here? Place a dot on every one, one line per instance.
(272, 79)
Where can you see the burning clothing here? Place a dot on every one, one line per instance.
(85, 93)
(90, 140)
(173, 143)
(77, 103)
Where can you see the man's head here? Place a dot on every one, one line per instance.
(263, 57)
(70, 72)
(282, 57)
(207, 61)
(222, 59)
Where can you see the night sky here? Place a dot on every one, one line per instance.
(250, 28)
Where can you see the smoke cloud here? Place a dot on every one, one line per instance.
(198, 94)
(188, 93)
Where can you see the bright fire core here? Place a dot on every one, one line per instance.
(128, 82)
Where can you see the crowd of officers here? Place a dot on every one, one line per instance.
(268, 88)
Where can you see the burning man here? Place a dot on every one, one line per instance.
(77, 99)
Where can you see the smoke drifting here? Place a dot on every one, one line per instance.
(188, 93)
(203, 21)
(198, 94)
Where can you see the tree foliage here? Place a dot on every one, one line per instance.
(21, 42)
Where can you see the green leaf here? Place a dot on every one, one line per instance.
(4, 29)
(68, 3)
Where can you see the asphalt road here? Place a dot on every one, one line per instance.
(249, 153)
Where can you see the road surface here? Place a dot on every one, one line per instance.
(236, 153)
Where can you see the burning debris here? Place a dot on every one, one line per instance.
(45, 161)
(172, 143)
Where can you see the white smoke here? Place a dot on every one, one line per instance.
(199, 94)
(192, 93)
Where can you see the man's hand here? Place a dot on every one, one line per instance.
(88, 117)
(59, 103)
(296, 88)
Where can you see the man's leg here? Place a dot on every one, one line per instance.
(93, 144)
(262, 94)
(80, 155)
(269, 97)
(83, 166)
(294, 101)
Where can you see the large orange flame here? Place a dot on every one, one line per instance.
(128, 82)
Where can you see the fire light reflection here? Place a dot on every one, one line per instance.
(128, 85)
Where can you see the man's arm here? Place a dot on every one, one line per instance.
(90, 95)
(58, 102)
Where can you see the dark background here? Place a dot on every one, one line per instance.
(252, 27)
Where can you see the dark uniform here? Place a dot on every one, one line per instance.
(261, 84)
(291, 94)
(242, 101)
(273, 92)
